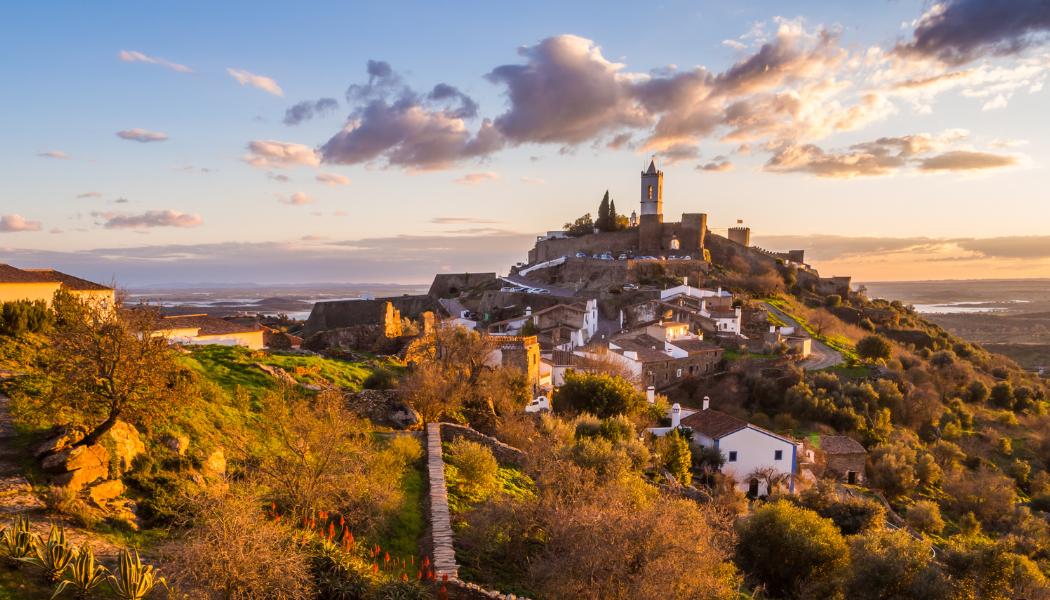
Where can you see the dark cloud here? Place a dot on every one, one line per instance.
(716, 167)
(1023, 247)
(121, 201)
(408, 129)
(962, 160)
(959, 31)
(151, 218)
(306, 110)
(141, 136)
(808, 158)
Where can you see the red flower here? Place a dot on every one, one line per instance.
(444, 578)
(375, 568)
(420, 574)
(404, 577)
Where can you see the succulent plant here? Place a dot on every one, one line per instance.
(52, 556)
(84, 575)
(134, 580)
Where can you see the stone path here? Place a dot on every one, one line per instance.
(441, 520)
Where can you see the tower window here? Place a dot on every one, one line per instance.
(650, 192)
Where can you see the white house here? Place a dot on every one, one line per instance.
(561, 327)
(727, 320)
(692, 292)
(745, 446)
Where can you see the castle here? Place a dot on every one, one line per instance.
(647, 234)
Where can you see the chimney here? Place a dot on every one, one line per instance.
(685, 282)
(772, 329)
(707, 403)
(528, 311)
(650, 394)
(676, 416)
(720, 291)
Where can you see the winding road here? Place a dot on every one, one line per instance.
(606, 327)
(821, 356)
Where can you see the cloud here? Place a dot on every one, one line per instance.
(331, 179)
(963, 160)
(280, 155)
(314, 238)
(735, 45)
(91, 194)
(1022, 247)
(339, 213)
(56, 230)
(56, 154)
(279, 178)
(305, 110)
(141, 135)
(717, 167)
(12, 223)
(1000, 101)
(121, 201)
(148, 219)
(956, 32)
(297, 199)
(263, 83)
(193, 169)
(461, 220)
(808, 158)
(420, 132)
(477, 178)
(1007, 143)
(530, 181)
(137, 56)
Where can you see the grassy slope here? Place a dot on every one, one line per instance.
(402, 540)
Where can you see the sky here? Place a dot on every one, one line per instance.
(384, 142)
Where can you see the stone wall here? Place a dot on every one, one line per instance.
(598, 274)
(502, 452)
(453, 283)
(349, 313)
(595, 243)
(492, 302)
(363, 338)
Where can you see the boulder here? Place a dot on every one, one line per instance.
(216, 463)
(76, 480)
(277, 372)
(59, 438)
(403, 415)
(104, 492)
(78, 457)
(178, 445)
(127, 441)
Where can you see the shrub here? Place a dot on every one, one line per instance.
(817, 549)
(833, 301)
(867, 325)
(925, 516)
(404, 450)
(587, 425)
(598, 393)
(22, 316)
(476, 468)
(874, 347)
(59, 499)
(676, 457)
(617, 429)
(1002, 395)
(892, 564)
(381, 378)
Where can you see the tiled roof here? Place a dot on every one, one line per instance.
(713, 424)
(692, 346)
(840, 444)
(9, 274)
(207, 325)
(69, 282)
(562, 358)
(645, 350)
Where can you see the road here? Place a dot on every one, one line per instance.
(453, 305)
(606, 327)
(821, 357)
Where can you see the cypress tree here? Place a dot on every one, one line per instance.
(603, 213)
(612, 215)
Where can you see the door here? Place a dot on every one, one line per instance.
(851, 477)
(752, 488)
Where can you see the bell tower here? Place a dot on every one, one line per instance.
(652, 191)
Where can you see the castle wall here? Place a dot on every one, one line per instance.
(650, 232)
(595, 243)
(453, 283)
(740, 235)
(349, 313)
(723, 251)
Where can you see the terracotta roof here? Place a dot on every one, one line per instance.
(207, 325)
(9, 274)
(669, 324)
(562, 358)
(69, 282)
(643, 348)
(840, 444)
(692, 346)
(713, 424)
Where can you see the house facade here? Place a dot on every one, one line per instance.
(41, 284)
(203, 330)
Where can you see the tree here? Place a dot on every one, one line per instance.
(106, 364)
(822, 320)
(582, 226)
(603, 214)
(789, 548)
(614, 219)
(874, 347)
(676, 456)
(833, 301)
(22, 316)
(891, 564)
(597, 393)
(1002, 395)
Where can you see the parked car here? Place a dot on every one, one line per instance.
(595, 256)
(509, 288)
(627, 287)
(623, 257)
(607, 256)
(541, 291)
(565, 256)
(581, 255)
(687, 258)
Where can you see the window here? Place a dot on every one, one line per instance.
(778, 455)
(679, 372)
(732, 456)
(650, 192)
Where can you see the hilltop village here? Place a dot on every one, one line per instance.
(640, 410)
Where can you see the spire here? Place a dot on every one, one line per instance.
(652, 168)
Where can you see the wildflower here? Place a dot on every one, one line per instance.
(404, 577)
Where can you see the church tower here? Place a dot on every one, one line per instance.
(652, 191)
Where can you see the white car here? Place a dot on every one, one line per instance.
(627, 287)
(510, 288)
(581, 255)
(540, 291)
(538, 404)
(623, 257)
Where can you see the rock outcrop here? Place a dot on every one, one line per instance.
(383, 407)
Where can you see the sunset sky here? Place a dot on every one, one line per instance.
(383, 142)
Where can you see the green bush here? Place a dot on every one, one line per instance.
(874, 347)
(925, 516)
(597, 393)
(23, 316)
(381, 378)
(833, 301)
(475, 468)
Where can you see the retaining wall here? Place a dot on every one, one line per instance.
(502, 452)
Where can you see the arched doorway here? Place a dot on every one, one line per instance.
(453, 290)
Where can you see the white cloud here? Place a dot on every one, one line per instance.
(150, 218)
(280, 155)
(331, 179)
(530, 181)
(137, 56)
(314, 238)
(12, 223)
(56, 154)
(1007, 143)
(263, 83)
(477, 178)
(297, 199)
(735, 45)
(141, 135)
(91, 194)
(339, 213)
(999, 101)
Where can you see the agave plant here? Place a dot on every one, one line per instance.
(85, 574)
(52, 556)
(134, 580)
(17, 542)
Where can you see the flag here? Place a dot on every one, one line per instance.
(739, 221)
